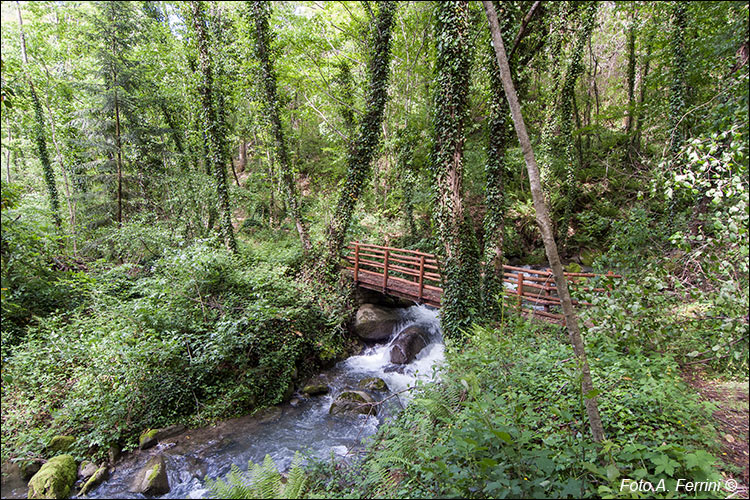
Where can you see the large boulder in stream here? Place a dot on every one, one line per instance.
(54, 479)
(152, 478)
(408, 343)
(375, 323)
(353, 402)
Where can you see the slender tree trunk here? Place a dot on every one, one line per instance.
(39, 133)
(364, 147)
(8, 152)
(261, 15)
(212, 127)
(66, 184)
(545, 226)
(642, 92)
(118, 145)
(242, 155)
(631, 75)
(567, 98)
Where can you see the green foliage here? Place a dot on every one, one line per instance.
(505, 420)
(194, 336)
(261, 481)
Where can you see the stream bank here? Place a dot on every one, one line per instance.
(302, 424)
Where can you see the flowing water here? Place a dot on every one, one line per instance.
(304, 425)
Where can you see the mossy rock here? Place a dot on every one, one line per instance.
(60, 444)
(55, 479)
(152, 478)
(373, 384)
(94, 481)
(353, 402)
(152, 436)
(315, 389)
(573, 267)
(148, 439)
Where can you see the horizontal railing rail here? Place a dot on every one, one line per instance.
(417, 275)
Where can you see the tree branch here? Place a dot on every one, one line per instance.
(522, 31)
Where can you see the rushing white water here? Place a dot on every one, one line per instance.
(305, 426)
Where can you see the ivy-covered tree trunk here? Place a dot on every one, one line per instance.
(118, 145)
(261, 14)
(455, 235)
(679, 64)
(212, 126)
(39, 134)
(405, 144)
(363, 149)
(545, 227)
(567, 95)
(557, 25)
(494, 219)
(631, 73)
(638, 118)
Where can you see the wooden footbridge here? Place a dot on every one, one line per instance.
(416, 276)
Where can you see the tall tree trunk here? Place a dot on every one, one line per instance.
(679, 64)
(364, 147)
(545, 226)
(567, 97)
(118, 145)
(461, 286)
(261, 15)
(642, 92)
(66, 183)
(494, 219)
(631, 74)
(8, 151)
(557, 26)
(212, 126)
(39, 133)
(242, 155)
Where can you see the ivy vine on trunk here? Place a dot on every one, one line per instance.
(39, 134)
(567, 95)
(261, 14)
(363, 149)
(212, 126)
(456, 237)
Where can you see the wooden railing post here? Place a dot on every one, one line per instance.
(421, 276)
(356, 263)
(385, 271)
(519, 289)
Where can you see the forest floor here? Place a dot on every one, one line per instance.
(731, 416)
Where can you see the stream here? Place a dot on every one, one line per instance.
(302, 424)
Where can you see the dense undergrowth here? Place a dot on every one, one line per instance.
(190, 335)
(507, 419)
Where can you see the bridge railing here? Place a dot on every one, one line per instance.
(410, 272)
(537, 287)
(416, 275)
